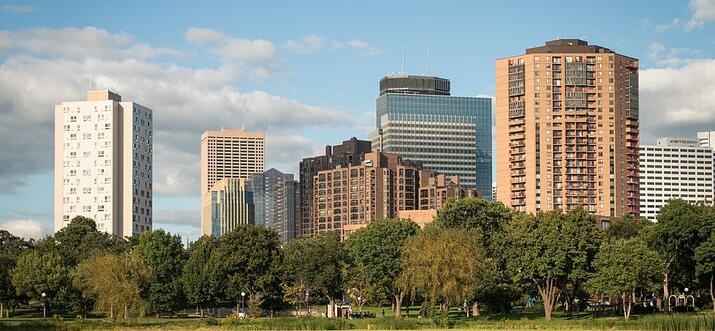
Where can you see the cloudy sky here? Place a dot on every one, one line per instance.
(306, 73)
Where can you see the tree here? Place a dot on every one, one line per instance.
(40, 272)
(317, 264)
(248, 260)
(628, 227)
(80, 240)
(114, 281)
(443, 265)
(680, 229)
(376, 251)
(10, 249)
(196, 277)
(165, 256)
(625, 266)
(705, 264)
(549, 250)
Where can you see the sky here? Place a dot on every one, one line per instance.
(305, 72)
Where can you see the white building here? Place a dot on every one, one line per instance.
(674, 168)
(706, 138)
(103, 163)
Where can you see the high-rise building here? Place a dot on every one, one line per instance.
(418, 119)
(348, 153)
(228, 204)
(103, 163)
(437, 189)
(228, 153)
(567, 129)
(706, 138)
(674, 168)
(276, 198)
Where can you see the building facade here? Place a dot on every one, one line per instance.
(706, 139)
(228, 204)
(103, 163)
(276, 198)
(418, 119)
(567, 129)
(437, 189)
(674, 168)
(229, 153)
(348, 153)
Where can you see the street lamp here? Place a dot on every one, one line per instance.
(44, 308)
(243, 295)
(360, 303)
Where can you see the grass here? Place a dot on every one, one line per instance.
(532, 321)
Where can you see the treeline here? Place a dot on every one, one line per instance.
(477, 254)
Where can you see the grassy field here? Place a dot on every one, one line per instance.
(534, 321)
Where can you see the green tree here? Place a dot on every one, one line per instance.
(628, 227)
(376, 251)
(41, 272)
(165, 256)
(248, 260)
(10, 249)
(705, 264)
(442, 265)
(680, 229)
(624, 267)
(114, 281)
(80, 240)
(550, 250)
(317, 264)
(196, 276)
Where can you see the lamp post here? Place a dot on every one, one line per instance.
(360, 303)
(44, 308)
(243, 295)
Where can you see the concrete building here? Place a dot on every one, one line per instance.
(437, 189)
(228, 153)
(348, 153)
(674, 168)
(567, 129)
(706, 139)
(103, 163)
(228, 204)
(417, 118)
(276, 198)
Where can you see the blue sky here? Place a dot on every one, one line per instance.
(305, 72)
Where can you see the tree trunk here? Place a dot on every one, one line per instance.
(1, 307)
(627, 305)
(475, 309)
(331, 308)
(712, 294)
(126, 311)
(550, 294)
(398, 303)
(666, 293)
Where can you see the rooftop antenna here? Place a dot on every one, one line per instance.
(428, 61)
(403, 60)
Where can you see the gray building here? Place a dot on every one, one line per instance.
(276, 198)
(420, 120)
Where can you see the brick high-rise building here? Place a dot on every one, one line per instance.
(103, 163)
(567, 129)
(348, 153)
(228, 153)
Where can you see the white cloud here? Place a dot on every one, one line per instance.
(655, 49)
(703, 11)
(186, 101)
(26, 228)
(232, 49)
(672, 57)
(362, 47)
(186, 217)
(15, 9)
(310, 44)
(677, 101)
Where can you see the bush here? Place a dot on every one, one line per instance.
(211, 321)
(442, 321)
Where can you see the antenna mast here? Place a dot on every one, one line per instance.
(403, 61)
(428, 61)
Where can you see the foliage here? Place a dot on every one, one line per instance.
(165, 256)
(248, 260)
(317, 264)
(628, 227)
(40, 272)
(115, 282)
(443, 265)
(10, 249)
(475, 213)
(80, 240)
(196, 275)
(705, 265)
(375, 251)
(549, 250)
(623, 267)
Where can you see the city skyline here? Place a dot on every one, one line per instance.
(199, 75)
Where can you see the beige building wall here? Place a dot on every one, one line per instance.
(567, 129)
(228, 153)
(228, 204)
(103, 163)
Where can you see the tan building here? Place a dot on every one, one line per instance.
(383, 185)
(227, 205)
(103, 163)
(229, 153)
(567, 129)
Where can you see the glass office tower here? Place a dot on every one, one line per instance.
(418, 119)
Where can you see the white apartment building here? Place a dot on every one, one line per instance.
(706, 138)
(103, 163)
(228, 153)
(674, 168)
